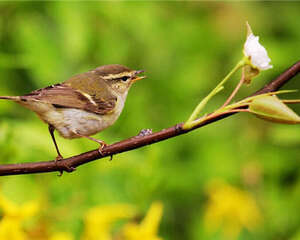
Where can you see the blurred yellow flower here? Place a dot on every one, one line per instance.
(148, 228)
(13, 217)
(61, 236)
(230, 209)
(98, 220)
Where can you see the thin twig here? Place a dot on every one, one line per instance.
(290, 101)
(238, 86)
(69, 164)
(239, 110)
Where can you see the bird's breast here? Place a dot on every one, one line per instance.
(73, 120)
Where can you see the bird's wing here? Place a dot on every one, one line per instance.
(64, 96)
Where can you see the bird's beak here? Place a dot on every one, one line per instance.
(137, 78)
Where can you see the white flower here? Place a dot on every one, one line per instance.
(256, 53)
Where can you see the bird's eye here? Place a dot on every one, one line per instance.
(125, 78)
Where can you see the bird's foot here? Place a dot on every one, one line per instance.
(63, 166)
(59, 158)
(68, 169)
(102, 145)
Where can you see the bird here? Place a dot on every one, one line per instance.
(83, 105)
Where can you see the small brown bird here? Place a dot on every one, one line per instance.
(85, 104)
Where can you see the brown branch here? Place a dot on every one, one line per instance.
(70, 164)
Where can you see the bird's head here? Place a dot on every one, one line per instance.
(119, 77)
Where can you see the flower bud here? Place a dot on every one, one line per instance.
(270, 108)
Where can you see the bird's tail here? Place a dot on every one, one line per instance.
(13, 98)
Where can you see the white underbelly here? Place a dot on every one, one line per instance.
(78, 121)
(69, 121)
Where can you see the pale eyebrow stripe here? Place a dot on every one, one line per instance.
(115, 76)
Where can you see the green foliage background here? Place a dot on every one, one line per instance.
(185, 48)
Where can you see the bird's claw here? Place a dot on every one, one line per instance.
(59, 158)
(66, 169)
(102, 145)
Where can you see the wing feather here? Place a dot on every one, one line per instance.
(64, 96)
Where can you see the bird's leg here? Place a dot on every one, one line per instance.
(51, 130)
(102, 143)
